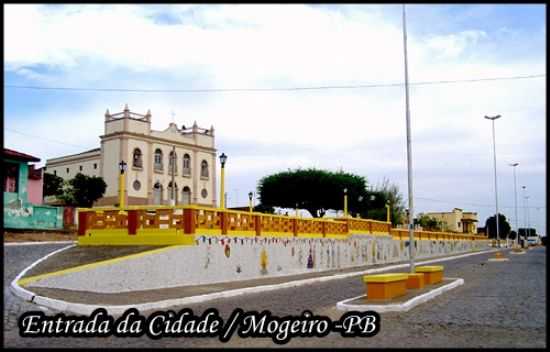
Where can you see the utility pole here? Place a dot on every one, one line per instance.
(409, 151)
(516, 202)
(173, 158)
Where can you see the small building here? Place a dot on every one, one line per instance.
(456, 221)
(23, 186)
(175, 164)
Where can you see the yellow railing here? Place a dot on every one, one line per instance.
(190, 220)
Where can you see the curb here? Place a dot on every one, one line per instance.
(36, 243)
(26, 294)
(403, 307)
(117, 310)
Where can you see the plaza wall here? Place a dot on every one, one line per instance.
(215, 259)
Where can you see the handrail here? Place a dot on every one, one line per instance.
(224, 221)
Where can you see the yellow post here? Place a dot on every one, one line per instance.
(121, 184)
(345, 202)
(250, 205)
(387, 213)
(222, 201)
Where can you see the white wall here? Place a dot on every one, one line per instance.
(207, 262)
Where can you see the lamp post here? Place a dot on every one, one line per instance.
(345, 202)
(388, 211)
(528, 222)
(409, 149)
(493, 118)
(250, 201)
(296, 209)
(516, 202)
(359, 200)
(173, 170)
(121, 183)
(223, 159)
(524, 215)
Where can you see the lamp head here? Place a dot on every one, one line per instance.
(492, 117)
(223, 159)
(514, 164)
(122, 166)
(345, 191)
(250, 195)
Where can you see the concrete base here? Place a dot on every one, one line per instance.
(348, 305)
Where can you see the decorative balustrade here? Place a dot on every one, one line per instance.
(190, 220)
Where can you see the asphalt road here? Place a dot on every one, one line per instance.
(501, 304)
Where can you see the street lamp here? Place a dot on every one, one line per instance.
(409, 149)
(359, 200)
(345, 202)
(223, 159)
(388, 211)
(493, 118)
(173, 170)
(516, 202)
(250, 194)
(524, 215)
(528, 222)
(122, 167)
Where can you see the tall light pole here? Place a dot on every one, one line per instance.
(524, 214)
(223, 159)
(409, 151)
(250, 194)
(173, 189)
(516, 202)
(493, 118)
(528, 222)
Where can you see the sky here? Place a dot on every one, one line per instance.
(360, 130)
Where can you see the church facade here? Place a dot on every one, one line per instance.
(173, 166)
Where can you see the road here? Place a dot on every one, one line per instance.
(500, 305)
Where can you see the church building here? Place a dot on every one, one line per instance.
(173, 166)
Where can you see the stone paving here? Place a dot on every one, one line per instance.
(500, 305)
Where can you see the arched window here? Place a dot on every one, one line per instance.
(137, 158)
(157, 193)
(172, 165)
(204, 169)
(186, 195)
(186, 164)
(158, 159)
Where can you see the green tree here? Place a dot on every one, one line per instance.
(312, 189)
(53, 185)
(428, 223)
(503, 227)
(387, 193)
(83, 191)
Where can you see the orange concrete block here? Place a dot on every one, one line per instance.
(432, 274)
(415, 281)
(385, 286)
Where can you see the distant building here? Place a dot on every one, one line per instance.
(23, 186)
(152, 157)
(456, 220)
